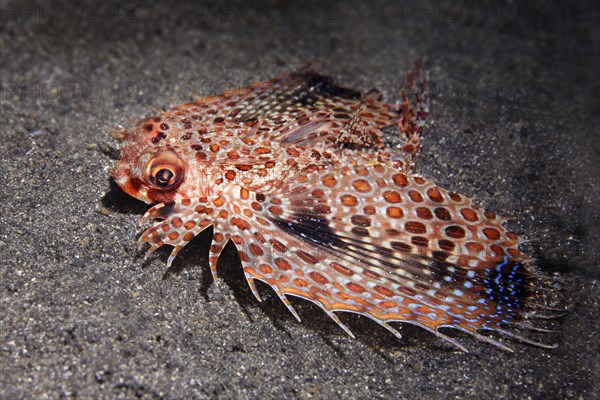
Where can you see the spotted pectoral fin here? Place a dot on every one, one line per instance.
(181, 221)
(371, 240)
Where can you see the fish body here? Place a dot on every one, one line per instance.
(297, 173)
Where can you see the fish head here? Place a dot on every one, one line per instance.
(156, 165)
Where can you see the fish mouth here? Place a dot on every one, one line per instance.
(121, 174)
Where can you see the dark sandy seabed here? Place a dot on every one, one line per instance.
(514, 123)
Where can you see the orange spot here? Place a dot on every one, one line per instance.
(455, 232)
(177, 222)
(219, 201)
(371, 275)
(474, 248)
(424, 213)
(400, 179)
(361, 185)
(247, 213)
(259, 237)
(243, 256)
(233, 155)
(173, 236)
(262, 221)
(243, 167)
(355, 287)
(265, 269)
(415, 196)
(489, 215)
(307, 257)
(513, 252)
(298, 189)
(293, 152)
(262, 150)
(322, 209)
(361, 171)
(342, 294)
(318, 193)
(419, 180)
(415, 227)
(230, 175)
(392, 196)
(360, 231)
(369, 210)
(276, 210)
(360, 220)
(244, 194)
(186, 202)
(446, 244)
(282, 264)
(188, 236)
(348, 200)
(394, 212)
(455, 196)
(442, 213)
(435, 194)
(497, 249)
(469, 214)
(256, 206)
(491, 233)
(383, 291)
(315, 276)
(387, 304)
(341, 269)
(189, 225)
(255, 249)
(419, 241)
(329, 180)
(379, 168)
(277, 245)
(300, 282)
(423, 310)
(165, 228)
(237, 240)
(214, 148)
(223, 214)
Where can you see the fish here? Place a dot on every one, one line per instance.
(299, 173)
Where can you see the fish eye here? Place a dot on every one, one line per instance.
(165, 171)
(164, 176)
